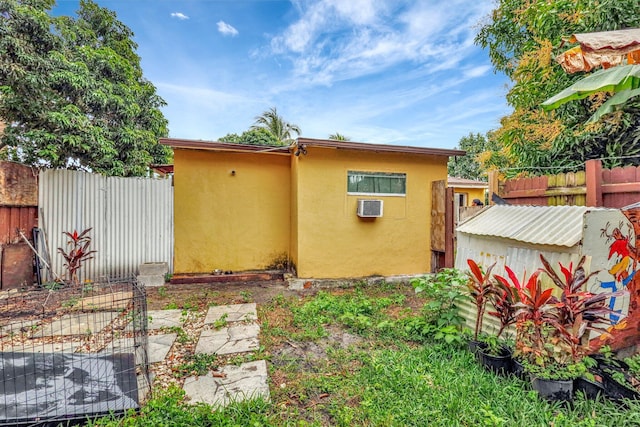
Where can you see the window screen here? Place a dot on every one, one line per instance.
(376, 183)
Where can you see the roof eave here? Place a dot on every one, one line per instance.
(381, 148)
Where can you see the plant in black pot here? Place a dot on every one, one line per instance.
(505, 299)
(579, 312)
(557, 329)
(502, 297)
(479, 286)
(621, 379)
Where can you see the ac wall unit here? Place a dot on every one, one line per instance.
(369, 208)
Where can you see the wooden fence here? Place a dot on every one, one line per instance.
(595, 186)
(18, 213)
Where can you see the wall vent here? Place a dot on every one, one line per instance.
(369, 208)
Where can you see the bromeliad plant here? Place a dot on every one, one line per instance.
(78, 252)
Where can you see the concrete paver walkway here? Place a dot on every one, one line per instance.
(236, 383)
(229, 340)
(249, 380)
(233, 313)
(159, 319)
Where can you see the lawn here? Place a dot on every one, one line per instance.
(371, 356)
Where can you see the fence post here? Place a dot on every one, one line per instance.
(493, 185)
(594, 182)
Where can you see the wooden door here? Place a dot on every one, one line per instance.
(442, 219)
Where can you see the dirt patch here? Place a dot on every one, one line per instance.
(309, 354)
(200, 295)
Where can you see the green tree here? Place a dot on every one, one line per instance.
(339, 137)
(72, 91)
(252, 137)
(468, 166)
(274, 123)
(523, 37)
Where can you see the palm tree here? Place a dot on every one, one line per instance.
(339, 137)
(280, 128)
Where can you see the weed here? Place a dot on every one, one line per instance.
(71, 302)
(53, 286)
(246, 296)
(87, 287)
(197, 365)
(221, 322)
(171, 306)
(182, 338)
(162, 292)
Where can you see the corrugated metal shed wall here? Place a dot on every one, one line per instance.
(516, 236)
(132, 219)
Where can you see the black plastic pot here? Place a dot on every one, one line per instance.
(591, 389)
(474, 346)
(500, 364)
(517, 369)
(559, 390)
(616, 391)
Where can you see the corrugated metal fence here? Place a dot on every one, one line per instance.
(132, 220)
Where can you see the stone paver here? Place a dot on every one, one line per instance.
(246, 381)
(78, 324)
(233, 339)
(158, 346)
(110, 301)
(159, 319)
(234, 312)
(32, 347)
(17, 328)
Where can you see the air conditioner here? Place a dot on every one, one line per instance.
(369, 208)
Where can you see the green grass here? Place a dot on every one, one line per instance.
(390, 376)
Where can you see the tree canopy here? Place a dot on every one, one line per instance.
(252, 137)
(278, 126)
(523, 37)
(339, 137)
(481, 151)
(72, 92)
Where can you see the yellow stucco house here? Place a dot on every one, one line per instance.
(335, 209)
(466, 190)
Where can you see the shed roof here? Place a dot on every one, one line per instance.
(538, 225)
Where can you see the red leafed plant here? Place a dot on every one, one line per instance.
(578, 310)
(78, 252)
(508, 293)
(536, 312)
(480, 286)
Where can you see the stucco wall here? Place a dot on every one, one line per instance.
(472, 193)
(230, 222)
(333, 242)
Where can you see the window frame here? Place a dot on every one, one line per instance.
(379, 174)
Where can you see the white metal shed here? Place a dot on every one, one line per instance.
(516, 236)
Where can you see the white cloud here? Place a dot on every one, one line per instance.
(181, 16)
(227, 29)
(334, 40)
(477, 71)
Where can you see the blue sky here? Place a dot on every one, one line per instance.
(380, 71)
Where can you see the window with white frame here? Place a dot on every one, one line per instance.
(379, 183)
